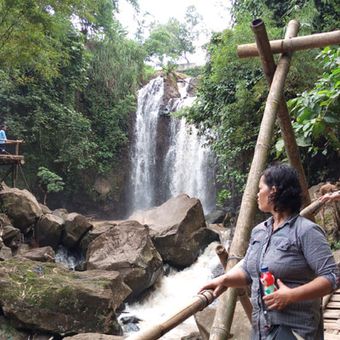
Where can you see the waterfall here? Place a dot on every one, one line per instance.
(183, 163)
(144, 150)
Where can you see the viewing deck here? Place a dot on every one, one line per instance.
(331, 316)
(12, 159)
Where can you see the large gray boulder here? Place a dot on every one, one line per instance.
(48, 230)
(127, 248)
(76, 226)
(99, 228)
(45, 297)
(21, 207)
(11, 236)
(178, 229)
(240, 328)
(43, 254)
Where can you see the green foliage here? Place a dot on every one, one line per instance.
(49, 181)
(174, 39)
(66, 90)
(316, 112)
(232, 91)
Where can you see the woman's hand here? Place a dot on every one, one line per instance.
(218, 286)
(280, 298)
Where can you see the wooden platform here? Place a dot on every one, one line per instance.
(8, 159)
(331, 317)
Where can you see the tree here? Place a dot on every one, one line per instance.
(32, 32)
(316, 112)
(174, 39)
(49, 182)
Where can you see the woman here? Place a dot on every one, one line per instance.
(297, 254)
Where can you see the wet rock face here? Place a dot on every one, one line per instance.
(127, 248)
(21, 207)
(48, 230)
(76, 227)
(45, 297)
(178, 229)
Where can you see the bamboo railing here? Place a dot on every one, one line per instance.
(294, 44)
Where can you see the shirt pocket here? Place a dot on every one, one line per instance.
(288, 253)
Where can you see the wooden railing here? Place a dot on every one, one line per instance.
(11, 142)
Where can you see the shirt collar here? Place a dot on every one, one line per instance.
(289, 221)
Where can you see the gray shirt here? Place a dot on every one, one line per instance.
(296, 253)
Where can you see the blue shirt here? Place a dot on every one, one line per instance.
(3, 137)
(296, 253)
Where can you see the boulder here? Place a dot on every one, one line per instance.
(43, 254)
(93, 336)
(62, 213)
(127, 248)
(45, 297)
(5, 253)
(45, 209)
(21, 207)
(99, 228)
(10, 235)
(76, 226)
(215, 217)
(240, 328)
(178, 229)
(48, 230)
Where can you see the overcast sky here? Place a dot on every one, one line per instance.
(215, 15)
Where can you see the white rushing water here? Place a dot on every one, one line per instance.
(173, 292)
(144, 150)
(187, 164)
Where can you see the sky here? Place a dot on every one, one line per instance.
(215, 15)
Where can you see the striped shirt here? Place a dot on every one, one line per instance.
(296, 253)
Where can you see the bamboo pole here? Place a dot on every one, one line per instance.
(198, 303)
(312, 209)
(241, 292)
(293, 44)
(284, 120)
(225, 310)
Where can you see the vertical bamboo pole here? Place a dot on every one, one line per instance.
(287, 131)
(225, 309)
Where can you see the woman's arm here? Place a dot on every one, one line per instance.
(284, 296)
(236, 277)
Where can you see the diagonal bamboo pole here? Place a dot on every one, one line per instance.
(225, 310)
(294, 44)
(284, 120)
(199, 302)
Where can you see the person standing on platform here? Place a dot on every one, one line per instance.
(3, 138)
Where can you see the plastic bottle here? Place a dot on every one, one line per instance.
(268, 281)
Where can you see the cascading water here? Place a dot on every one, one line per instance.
(173, 292)
(183, 164)
(144, 150)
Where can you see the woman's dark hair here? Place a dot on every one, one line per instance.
(287, 196)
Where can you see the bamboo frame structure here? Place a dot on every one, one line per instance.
(225, 310)
(155, 332)
(283, 116)
(293, 44)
